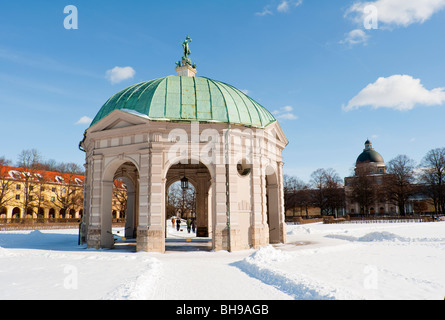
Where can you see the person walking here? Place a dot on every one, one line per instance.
(189, 225)
(193, 225)
(178, 224)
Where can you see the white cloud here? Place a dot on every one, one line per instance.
(283, 7)
(398, 92)
(84, 120)
(287, 108)
(284, 113)
(397, 12)
(119, 74)
(266, 11)
(355, 36)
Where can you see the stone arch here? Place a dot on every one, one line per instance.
(273, 205)
(118, 167)
(201, 177)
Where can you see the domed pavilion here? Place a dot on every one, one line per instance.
(194, 130)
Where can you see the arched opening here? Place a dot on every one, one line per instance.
(40, 213)
(3, 213)
(121, 177)
(29, 213)
(273, 206)
(52, 213)
(188, 201)
(16, 213)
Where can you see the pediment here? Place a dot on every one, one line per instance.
(276, 131)
(117, 119)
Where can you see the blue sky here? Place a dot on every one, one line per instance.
(331, 81)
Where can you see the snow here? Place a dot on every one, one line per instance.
(401, 261)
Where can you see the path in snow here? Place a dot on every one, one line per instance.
(212, 275)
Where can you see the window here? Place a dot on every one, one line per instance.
(17, 197)
(18, 186)
(42, 189)
(53, 199)
(53, 189)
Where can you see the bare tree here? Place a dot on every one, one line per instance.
(120, 196)
(29, 160)
(433, 177)
(328, 195)
(6, 196)
(363, 189)
(68, 195)
(179, 200)
(399, 181)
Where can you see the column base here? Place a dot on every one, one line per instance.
(260, 236)
(150, 240)
(93, 237)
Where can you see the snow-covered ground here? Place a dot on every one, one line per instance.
(337, 261)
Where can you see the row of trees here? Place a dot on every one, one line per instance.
(324, 191)
(32, 159)
(404, 180)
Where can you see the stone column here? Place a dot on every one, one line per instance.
(106, 235)
(130, 214)
(151, 238)
(202, 195)
(260, 230)
(93, 219)
(219, 220)
(144, 215)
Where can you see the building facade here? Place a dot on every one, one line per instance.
(364, 191)
(47, 195)
(39, 194)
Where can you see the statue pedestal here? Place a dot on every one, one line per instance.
(185, 71)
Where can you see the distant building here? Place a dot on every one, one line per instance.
(40, 194)
(364, 193)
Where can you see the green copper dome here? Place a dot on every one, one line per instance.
(176, 98)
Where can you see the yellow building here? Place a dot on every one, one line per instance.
(41, 195)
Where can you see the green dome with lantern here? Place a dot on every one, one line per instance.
(188, 98)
